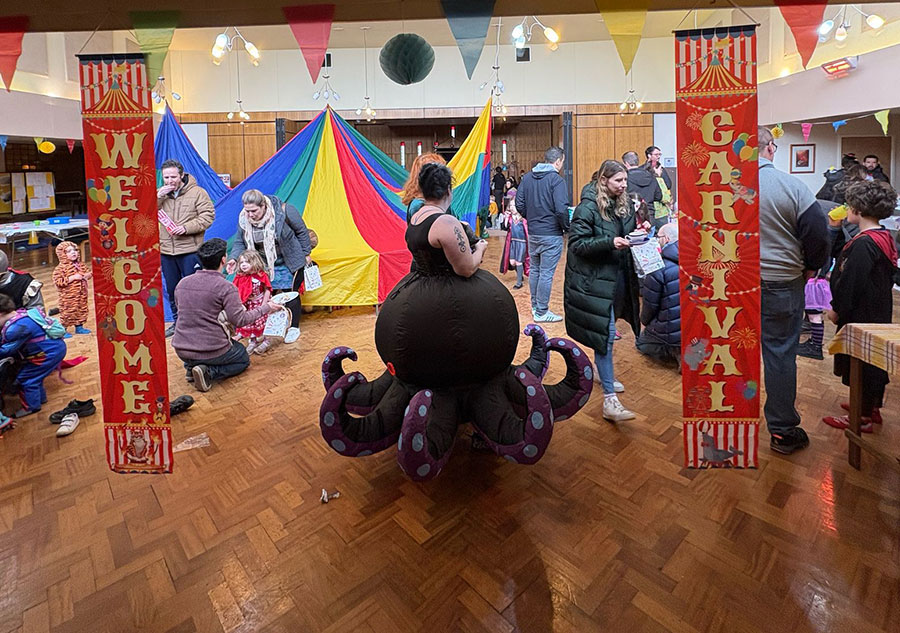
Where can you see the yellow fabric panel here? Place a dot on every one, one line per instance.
(468, 159)
(626, 29)
(348, 265)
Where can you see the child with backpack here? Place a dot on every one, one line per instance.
(71, 277)
(37, 339)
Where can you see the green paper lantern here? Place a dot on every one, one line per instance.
(406, 59)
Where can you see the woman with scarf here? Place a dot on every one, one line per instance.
(277, 232)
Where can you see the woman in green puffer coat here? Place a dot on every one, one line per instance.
(601, 284)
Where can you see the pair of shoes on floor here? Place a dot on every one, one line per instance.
(516, 286)
(202, 379)
(291, 335)
(789, 441)
(263, 347)
(180, 405)
(252, 345)
(80, 329)
(68, 424)
(170, 331)
(808, 349)
(547, 317)
(83, 408)
(843, 422)
(875, 417)
(614, 411)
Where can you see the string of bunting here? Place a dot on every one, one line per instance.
(806, 126)
(730, 107)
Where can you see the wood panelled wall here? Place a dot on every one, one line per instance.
(600, 133)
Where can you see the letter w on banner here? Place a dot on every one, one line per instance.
(718, 205)
(121, 188)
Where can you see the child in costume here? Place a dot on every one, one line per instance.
(861, 286)
(515, 251)
(25, 337)
(255, 289)
(70, 278)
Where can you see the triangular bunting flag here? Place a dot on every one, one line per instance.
(38, 140)
(803, 20)
(311, 26)
(806, 128)
(154, 30)
(3, 140)
(469, 21)
(882, 117)
(837, 124)
(12, 29)
(71, 145)
(625, 29)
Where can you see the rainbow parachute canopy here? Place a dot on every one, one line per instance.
(172, 142)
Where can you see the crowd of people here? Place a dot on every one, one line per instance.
(814, 261)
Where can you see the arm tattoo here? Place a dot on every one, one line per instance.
(461, 240)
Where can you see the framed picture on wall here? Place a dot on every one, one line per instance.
(803, 159)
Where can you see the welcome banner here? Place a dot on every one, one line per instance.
(718, 204)
(121, 188)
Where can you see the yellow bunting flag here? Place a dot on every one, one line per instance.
(882, 117)
(625, 29)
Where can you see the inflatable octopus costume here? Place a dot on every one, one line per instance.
(448, 363)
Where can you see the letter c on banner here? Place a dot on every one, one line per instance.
(130, 324)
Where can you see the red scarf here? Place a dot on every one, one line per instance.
(244, 283)
(883, 240)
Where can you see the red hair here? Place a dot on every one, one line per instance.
(411, 189)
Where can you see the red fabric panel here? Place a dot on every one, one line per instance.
(803, 20)
(12, 29)
(311, 26)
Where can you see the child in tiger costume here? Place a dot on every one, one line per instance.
(71, 277)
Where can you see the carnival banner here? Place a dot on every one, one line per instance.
(718, 207)
(121, 189)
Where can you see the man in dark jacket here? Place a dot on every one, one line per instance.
(661, 310)
(874, 170)
(498, 184)
(834, 176)
(643, 184)
(543, 200)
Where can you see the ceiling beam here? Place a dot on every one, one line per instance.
(66, 15)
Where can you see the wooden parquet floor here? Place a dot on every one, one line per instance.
(607, 533)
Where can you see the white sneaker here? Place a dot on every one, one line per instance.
(617, 386)
(547, 317)
(69, 423)
(614, 411)
(291, 335)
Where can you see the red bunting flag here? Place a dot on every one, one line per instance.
(12, 29)
(804, 21)
(311, 26)
(71, 145)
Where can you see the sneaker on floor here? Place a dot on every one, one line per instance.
(83, 408)
(6, 423)
(170, 331)
(80, 329)
(202, 381)
(614, 411)
(252, 345)
(291, 335)
(843, 422)
(547, 317)
(794, 439)
(516, 286)
(617, 386)
(180, 405)
(263, 347)
(875, 417)
(68, 424)
(810, 350)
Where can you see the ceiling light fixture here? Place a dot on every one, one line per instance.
(158, 94)
(521, 33)
(225, 43)
(874, 20)
(241, 113)
(367, 107)
(494, 80)
(631, 105)
(326, 91)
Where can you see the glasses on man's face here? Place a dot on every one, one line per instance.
(772, 143)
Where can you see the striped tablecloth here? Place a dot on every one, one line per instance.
(874, 343)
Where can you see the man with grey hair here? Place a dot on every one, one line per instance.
(543, 199)
(643, 184)
(793, 239)
(661, 309)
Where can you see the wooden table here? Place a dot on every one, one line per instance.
(877, 344)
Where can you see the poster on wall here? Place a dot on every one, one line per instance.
(19, 193)
(6, 194)
(716, 113)
(41, 191)
(121, 188)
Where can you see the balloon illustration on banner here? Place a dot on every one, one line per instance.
(98, 194)
(742, 150)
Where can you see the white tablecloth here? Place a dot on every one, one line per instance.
(24, 228)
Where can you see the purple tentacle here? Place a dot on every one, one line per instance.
(536, 425)
(539, 359)
(570, 394)
(332, 369)
(413, 452)
(333, 418)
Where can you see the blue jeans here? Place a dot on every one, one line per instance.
(174, 269)
(604, 362)
(782, 319)
(545, 251)
(231, 363)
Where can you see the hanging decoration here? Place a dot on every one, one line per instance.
(806, 128)
(46, 147)
(469, 21)
(12, 30)
(494, 80)
(37, 141)
(804, 20)
(777, 131)
(718, 182)
(4, 139)
(838, 124)
(406, 59)
(121, 188)
(882, 117)
(366, 109)
(70, 143)
(626, 29)
(154, 31)
(311, 26)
